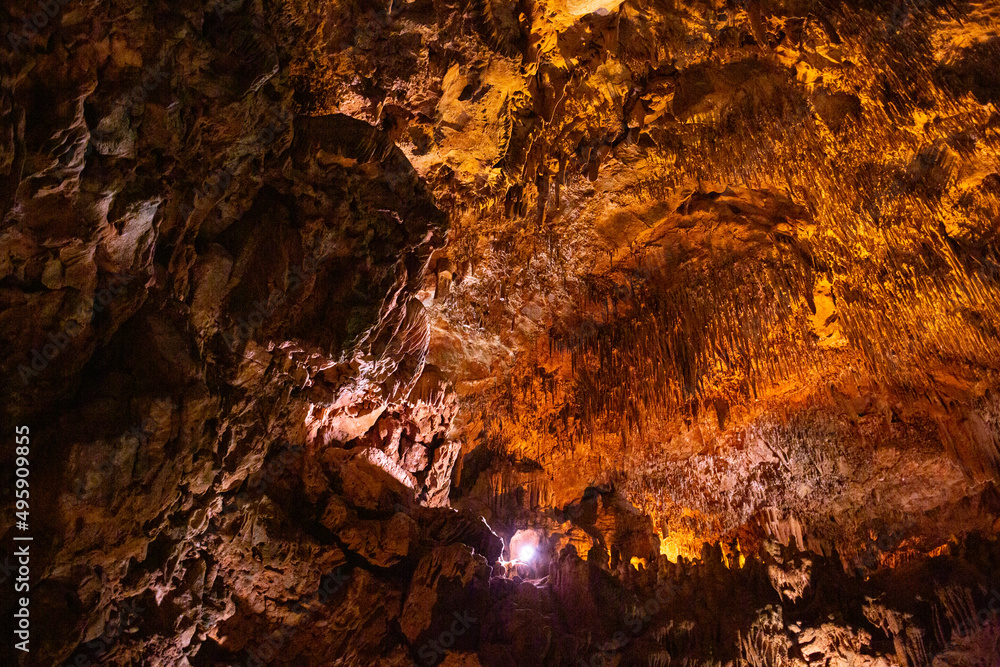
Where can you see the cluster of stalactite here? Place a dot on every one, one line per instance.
(899, 228)
(705, 334)
(912, 258)
(547, 144)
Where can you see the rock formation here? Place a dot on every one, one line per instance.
(318, 312)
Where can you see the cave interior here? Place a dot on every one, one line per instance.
(501, 333)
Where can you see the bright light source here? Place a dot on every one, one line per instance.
(524, 545)
(525, 553)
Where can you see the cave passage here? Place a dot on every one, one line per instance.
(500, 333)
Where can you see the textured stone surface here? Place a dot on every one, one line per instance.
(310, 306)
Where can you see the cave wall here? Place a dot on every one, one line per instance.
(311, 305)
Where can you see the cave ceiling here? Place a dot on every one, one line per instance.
(320, 313)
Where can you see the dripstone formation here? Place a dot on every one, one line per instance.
(317, 311)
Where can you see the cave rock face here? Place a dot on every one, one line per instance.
(503, 332)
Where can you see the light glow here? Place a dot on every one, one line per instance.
(525, 553)
(524, 545)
